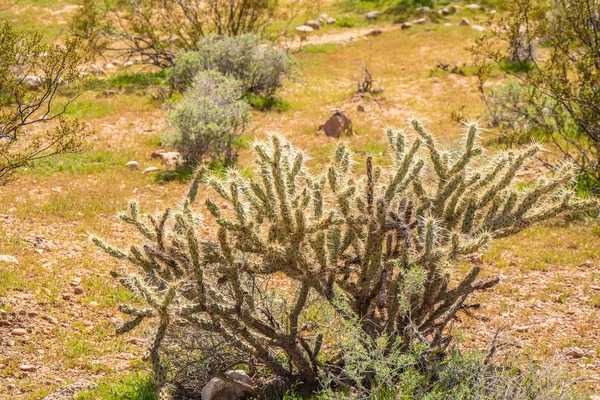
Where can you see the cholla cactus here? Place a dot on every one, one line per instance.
(381, 241)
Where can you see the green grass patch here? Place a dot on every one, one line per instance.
(83, 163)
(88, 109)
(137, 386)
(324, 48)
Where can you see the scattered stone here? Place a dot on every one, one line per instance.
(331, 21)
(32, 314)
(479, 28)
(304, 30)
(313, 24)
(50, 319)
(337, 125)
(135, 341)
(97, 70)
(75, 281)
(27, 368)
(575, 352)
(10, 343)
(133, 165)
(22, 312)
(19, 332)
(522, 328)
(93, 304)
(360, 108)
(456, 8)
(69, 392)
(78, 290)
(476, 258)
(474, 7)
(150, 169)
(236, 387)
(8, 259)
(445, 11)
(424, 10)
(594, 287)
(33, 81)
(109, 92)
(169, 158)
(419, 21)
(586, 264)
(66, 296)
(128, 63)
(372, 15)
(375, 32)
(406, 25)
(465, 22)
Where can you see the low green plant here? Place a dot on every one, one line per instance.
(375, 247)
(209, 119)
(258, 66)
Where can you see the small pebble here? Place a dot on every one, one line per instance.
(28, 368)
(93, 304)
(32, 314)
(10, 343)
(66, 296)
(78, 290)
(19, 332)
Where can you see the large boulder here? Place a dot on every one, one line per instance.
(236, 386)
(337, 125)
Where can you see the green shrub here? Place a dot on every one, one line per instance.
(557, 94)
(293, 254)
(209, 118)
(258, 66)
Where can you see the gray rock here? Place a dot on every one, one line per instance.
(169, 158)
(455, 8)
(331, 21)
(27, 368)
(424, 10)
(313, 24)
(406, 25)
(19, 332)
(222, 389)
(465, 22)
(419, 21)
(133, 165)
(372, 15)
(360, 108)
(375, 32)
(337, 125)
(445, 11)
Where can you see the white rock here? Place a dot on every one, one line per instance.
(419, 21)
(372, 15)
(220, 389)
(304, 29)
(150, 169)
(313, 24)
(331, 21)
(27, 368)
(19, 332)
(474, 7)
(133, 165)
(465, 22)
(8, 259)
(479, 28)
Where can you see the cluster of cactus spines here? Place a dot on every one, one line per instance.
(383, 243)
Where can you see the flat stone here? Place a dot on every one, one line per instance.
(595, 287)
(150, 169)
(372, 15)
(78, 290)
(66, 296)
(19, 332)
(133, 165)
(27, 368)
(406, 25)
(8, 259)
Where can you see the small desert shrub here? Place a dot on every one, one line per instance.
(554, 96)
(259, 67)
(293, 254)
(209, 119)
(154, 31)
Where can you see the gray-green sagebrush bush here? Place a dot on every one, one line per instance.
(259, 67)
(209, 119)
(293, 250)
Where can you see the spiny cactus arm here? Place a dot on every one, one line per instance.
(139, 315)
(470, 153)
(199, 174)
(513, 167)
(133, 219)
(542, 188)
(438, 165)
(396, 141)
(402, 170)
(195, 255)
(173, 268)
(114, 252)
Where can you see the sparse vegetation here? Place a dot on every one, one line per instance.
(32, 73)
(553, 93)
(374, 251)
(546, 300)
